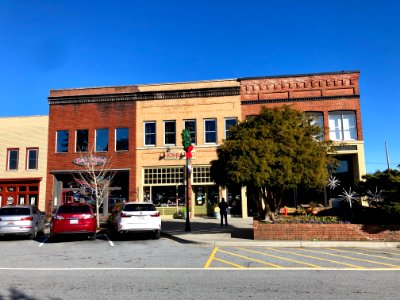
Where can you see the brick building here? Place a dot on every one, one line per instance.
(138, 128)
(23, 160)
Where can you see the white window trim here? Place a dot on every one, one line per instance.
(165, 122)
(144, 133)
(205, 132)
(27, 158)
(195, 129)
(341, 113)
(228, 119)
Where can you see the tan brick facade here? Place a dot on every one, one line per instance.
(22, 134)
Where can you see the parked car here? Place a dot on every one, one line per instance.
(21, 220)
(74, 218)
(139, 217)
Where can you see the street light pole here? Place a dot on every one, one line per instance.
(187, 224)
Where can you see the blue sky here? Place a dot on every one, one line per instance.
(68, 44)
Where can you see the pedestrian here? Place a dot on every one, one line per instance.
(234, 208)
(223, 210)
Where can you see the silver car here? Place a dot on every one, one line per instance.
(21, 220)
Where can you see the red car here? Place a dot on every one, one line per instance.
(74, 218)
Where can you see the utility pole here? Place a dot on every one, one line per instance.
(387, 157)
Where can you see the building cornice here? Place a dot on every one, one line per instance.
(265, 101)
(147, 96)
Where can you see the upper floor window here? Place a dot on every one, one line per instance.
(169, 132)
(190, 125)
(62, 141)
(210, 131)
(122, 139)
(32, 156)
(82, 140)
(342, 126)
(12, 159)
(229, 122)
(102, 140)
(317, 118)
(150, 133)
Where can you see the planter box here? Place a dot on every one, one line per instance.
(326, 232)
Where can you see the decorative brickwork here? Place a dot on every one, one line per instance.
(326, 232)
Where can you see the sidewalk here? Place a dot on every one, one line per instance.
(239, 232)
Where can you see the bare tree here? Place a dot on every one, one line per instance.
(96, 175)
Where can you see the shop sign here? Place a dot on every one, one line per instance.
(175, 155)
(90, 161)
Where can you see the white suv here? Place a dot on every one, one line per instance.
(138, 217)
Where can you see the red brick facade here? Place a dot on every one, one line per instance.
(326, 232)
(90, 116)
(319, 93)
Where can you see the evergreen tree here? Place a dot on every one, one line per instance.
(271, 152)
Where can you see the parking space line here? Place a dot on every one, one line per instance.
(229, 263)
(318, 258)
(210, 259)
(365, 254)
(375, 251)
(353, 258)
(251, 259)
(280, 257)
(109, 241)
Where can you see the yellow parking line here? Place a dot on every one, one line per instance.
(280, 257)
(365, 254)
(353, 258)
(229, 263)
(210, 259)
(251, 259)
(317, 258)
(374, 251)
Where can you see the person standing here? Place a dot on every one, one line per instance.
(223, 210)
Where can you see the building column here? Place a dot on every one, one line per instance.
(243, 200)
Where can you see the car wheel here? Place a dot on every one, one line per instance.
(34, 233)
(156, 235)
(92, 236)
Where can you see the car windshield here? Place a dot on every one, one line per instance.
(139, 207)
(14, 211)
(83, 209)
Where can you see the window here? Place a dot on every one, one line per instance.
(342, 126)
(229, 122)
(122, 139)
(12, 163)
(102, 140)
(169, 133)
(32, 159)
(201, 174)
(317, 118)
(190, 125)
(82, 140)
(210, 131)
(167, 175)
(150, 133)
(62, 141)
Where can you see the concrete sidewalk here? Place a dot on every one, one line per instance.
(239, 232)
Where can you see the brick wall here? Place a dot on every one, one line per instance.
(91, 116)
(326, 232)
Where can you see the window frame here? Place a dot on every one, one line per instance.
(208, 131)
(8, 159)
(116, 139)
(226, 130)
(96, 139)
(312, 117)
(57, 139)
(193, 134)
(170, 134)
(341, 129)
(28, 150)
(82, 142)
(151, 134)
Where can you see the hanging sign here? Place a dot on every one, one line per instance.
(90, 161)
